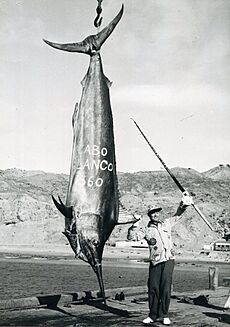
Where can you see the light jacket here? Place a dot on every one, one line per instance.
(159, 239)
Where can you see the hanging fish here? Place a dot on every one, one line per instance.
(92, 203)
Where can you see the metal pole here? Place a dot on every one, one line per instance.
(213, 273)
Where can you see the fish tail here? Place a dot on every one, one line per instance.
(92, 43)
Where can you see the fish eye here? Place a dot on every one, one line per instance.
(95, 242)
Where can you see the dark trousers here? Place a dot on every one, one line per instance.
(159, 288)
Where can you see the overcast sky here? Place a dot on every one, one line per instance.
(168, 61)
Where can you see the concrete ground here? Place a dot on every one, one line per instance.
(188, 309)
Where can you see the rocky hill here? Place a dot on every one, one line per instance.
(28, 216)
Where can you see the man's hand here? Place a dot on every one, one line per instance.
(186, 200)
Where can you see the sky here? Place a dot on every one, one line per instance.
(169, 62)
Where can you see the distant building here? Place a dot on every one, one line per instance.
(226, 235)
(208, 247)
(222, 245)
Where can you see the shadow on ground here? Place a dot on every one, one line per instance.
(222, 317)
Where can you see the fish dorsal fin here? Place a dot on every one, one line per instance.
(66, 211)
(74, 114)
(84, 80)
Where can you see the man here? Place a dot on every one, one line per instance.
(161, 257)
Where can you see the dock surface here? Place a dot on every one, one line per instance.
(186, 309)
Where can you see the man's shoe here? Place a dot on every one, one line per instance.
(166, 321)
(147, 321)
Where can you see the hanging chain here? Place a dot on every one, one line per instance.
(98, 19)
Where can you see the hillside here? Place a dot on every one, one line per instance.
(28, 216)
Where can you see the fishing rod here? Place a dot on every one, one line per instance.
(182, 189)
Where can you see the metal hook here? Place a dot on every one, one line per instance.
(98, 19)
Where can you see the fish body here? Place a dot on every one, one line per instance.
(92, 202)
(92, 192)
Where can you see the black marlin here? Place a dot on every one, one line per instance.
(92, 203)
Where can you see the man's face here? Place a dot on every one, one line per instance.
(154, 217)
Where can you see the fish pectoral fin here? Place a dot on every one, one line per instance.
(125, 217)
(73, 241)
(81, 256)
(66, 211)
